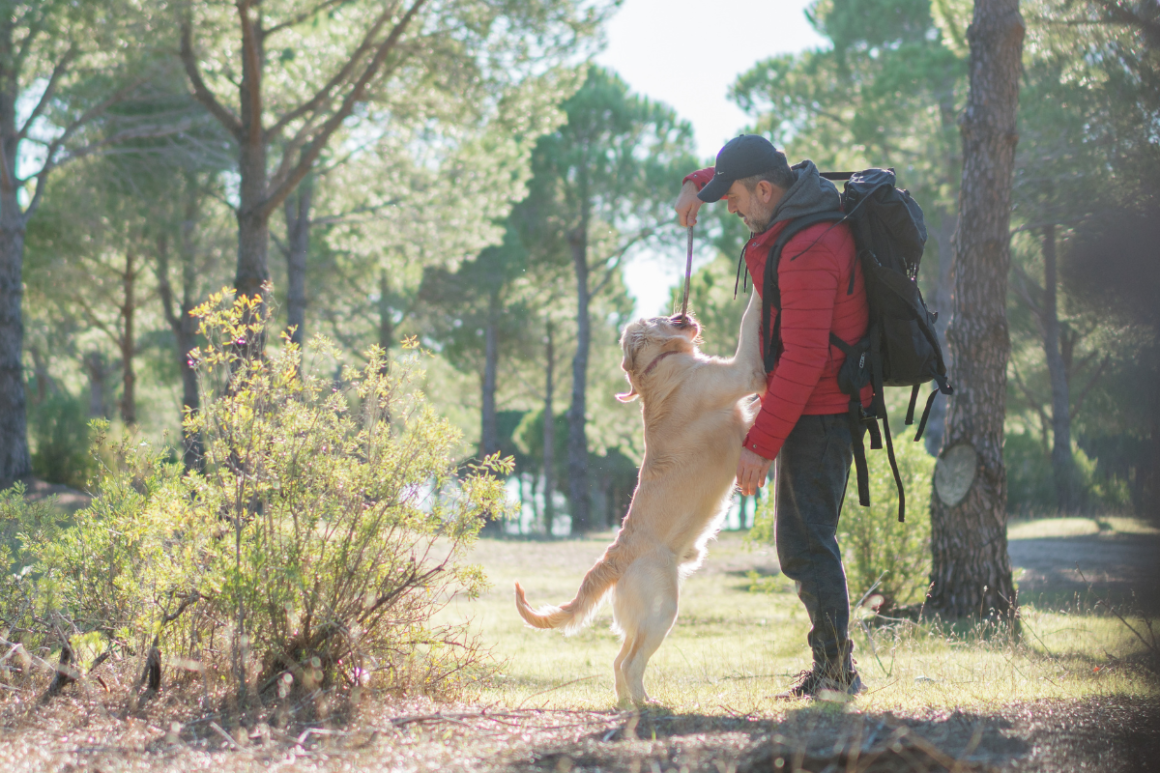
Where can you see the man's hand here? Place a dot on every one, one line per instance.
(688, 204)
(752, 470)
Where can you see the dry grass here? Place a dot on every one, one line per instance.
(1072, 694)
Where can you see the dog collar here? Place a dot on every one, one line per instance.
(654, 363)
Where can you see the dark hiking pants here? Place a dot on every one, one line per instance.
(812, 470)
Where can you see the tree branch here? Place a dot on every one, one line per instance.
(1032, 402)
(164, 288)
(296, 20)
(58, 72)
(616, 259)
(50, 161)
(281, 245)
(201, 92)
(1124, 15)
(1089, 386)
(326, 93)
(1022, 287)
(314, 149)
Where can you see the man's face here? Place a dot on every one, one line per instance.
(755, 207)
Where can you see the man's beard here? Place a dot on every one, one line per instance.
(759, 221)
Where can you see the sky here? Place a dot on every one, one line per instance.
(686, 53)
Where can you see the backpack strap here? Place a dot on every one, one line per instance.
(771, 292)
(859, 421)
(880, 408)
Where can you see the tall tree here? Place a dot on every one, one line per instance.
(597, 177)
(43, 46)
(971, 570)
(1085, 106)
(288, 108)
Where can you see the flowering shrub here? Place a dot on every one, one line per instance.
(322, 532)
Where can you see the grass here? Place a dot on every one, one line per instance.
(732, 649)
(939, 699)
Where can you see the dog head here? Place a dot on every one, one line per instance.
(646, 340)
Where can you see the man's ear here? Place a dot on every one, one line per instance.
(764, 191)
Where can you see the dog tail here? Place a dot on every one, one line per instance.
(572, 616)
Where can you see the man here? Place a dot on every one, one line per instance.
(803, 421)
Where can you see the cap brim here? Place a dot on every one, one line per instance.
(716, 189)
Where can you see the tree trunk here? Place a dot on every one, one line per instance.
(1062, 462)
(297, 209)
(98, 372)
(183, 325)
(549, 432)
(128, 342)
(488, 430)
(943, 304)
(577, 435)
(386, 320)
(971, 570)
(40, 373)
(944, 290)
(253, 245)
(15, 461)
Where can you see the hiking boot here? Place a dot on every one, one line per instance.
(813, 682)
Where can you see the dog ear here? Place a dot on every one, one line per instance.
(630, 395)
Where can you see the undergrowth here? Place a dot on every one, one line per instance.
(307, 553)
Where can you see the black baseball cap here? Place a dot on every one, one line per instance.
(742, 156)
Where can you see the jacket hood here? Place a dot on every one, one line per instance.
(810, 193)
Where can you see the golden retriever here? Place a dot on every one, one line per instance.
(695, 420)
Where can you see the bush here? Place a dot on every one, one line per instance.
(60, 437)
(876, 548)
(325, 531)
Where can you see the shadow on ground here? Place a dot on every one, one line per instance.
(1059, 572)
(1107, 735)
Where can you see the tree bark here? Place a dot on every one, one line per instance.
(183, 325)
(386, 320)
(15, 461)
(297, 209)
(577, 434)
(943, 304)
(944, 290)
(488, 429)
(971, 570)
(549, 431)
(98, 372)
(128, 342)
(1062, 463)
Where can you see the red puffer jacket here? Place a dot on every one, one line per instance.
(814, 277)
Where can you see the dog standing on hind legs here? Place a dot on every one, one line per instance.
(695, 420)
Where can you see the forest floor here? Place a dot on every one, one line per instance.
(1078, 691)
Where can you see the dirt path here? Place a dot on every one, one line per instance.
(1121, 567)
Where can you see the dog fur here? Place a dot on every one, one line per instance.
(695, 420)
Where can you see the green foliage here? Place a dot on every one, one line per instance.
(874, 543)
(60, 436)
(327, 528)
(1030, 487)
(879, 552)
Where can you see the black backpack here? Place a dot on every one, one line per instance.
(900, 347)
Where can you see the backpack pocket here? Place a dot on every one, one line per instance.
(910, 350)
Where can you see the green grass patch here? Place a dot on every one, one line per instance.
(731, 649)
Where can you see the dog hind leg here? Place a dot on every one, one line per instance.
(645, 608)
